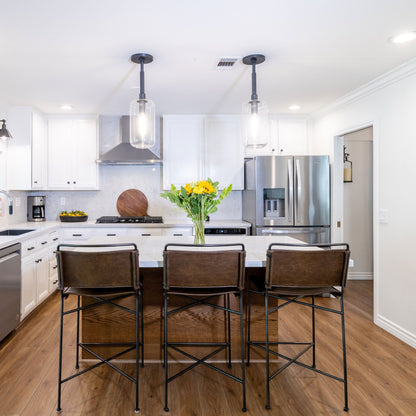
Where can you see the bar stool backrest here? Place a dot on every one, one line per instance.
(210, 266)
(98, 266)
(306, 266)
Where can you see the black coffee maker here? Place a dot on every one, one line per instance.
(36, 208)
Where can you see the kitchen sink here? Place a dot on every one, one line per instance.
(14, 232)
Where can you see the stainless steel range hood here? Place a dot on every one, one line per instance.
(124, 153)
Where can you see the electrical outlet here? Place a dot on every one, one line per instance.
(351, 263)
(17, 202)
(63, 201)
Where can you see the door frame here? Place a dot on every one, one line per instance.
(337, 197)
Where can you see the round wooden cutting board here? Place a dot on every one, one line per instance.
(132, 203)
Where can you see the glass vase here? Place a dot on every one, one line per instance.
(199, 231)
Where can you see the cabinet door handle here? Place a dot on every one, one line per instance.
(111, 235)
(44, 242)
(76, 235)
(68, 182)
(38, 260)
(74, 182)
(177, 234)
(35, 181)
(146, 234)
(55, 239)
(55, 282)
(30, 248)
(55, 267)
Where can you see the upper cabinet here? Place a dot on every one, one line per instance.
(72, 153)
(288, 136)
(200, 146)
(26, 152)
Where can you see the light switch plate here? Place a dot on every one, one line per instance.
(63, 201)
(383, 216)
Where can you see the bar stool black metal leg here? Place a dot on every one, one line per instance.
(59, 409)
(248, 323)
(165, 350)
(344, 353)
(313, 333)
(243, 376)
(136, 410)
(142, 328)
(229, 330)
(77, 345)
(266, 308)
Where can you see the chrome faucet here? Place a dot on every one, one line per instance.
(10, 201)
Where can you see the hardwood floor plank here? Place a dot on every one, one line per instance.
(381, 369)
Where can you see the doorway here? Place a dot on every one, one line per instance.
(358, 202)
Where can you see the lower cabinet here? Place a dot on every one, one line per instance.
(39, 271)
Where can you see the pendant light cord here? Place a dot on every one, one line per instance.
(142, 95)
(253, 80)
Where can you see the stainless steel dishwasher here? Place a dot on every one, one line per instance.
(10, 284)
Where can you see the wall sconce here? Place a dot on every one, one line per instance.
(142, 111)
(255, 112)
(4, 133)
(347, 166)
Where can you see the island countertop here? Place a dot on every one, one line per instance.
(151, 248)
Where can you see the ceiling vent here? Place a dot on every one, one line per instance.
(226, 63)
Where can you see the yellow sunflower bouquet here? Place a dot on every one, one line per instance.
(198, 200)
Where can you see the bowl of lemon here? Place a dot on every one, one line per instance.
(73, 216)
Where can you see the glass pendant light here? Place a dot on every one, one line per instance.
(255, 112)
(142, 111)
(4, 133)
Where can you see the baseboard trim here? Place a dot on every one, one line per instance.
(396, 330)
(360, 276)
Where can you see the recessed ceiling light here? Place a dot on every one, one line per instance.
(66, 107)
(404, 37)
(294, 107)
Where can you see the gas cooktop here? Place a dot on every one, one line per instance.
(129, 220)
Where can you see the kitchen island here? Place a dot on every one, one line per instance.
(108, 324)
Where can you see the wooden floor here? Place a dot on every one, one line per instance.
(382, 373)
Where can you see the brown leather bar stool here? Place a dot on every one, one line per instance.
(295, 272)
(198, 273)
(105, 273)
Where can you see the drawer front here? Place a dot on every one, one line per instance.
(72, 234)
(30, 246)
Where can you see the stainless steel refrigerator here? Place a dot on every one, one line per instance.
(288, 195)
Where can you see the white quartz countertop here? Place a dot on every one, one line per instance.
(166, 224)
(37, 228)
(43, 226)
(151, 248)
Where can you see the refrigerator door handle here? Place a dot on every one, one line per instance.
(298, 190)
(290, 190)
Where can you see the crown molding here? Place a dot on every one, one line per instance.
(403, 71)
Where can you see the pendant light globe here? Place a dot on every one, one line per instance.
(255, 112)
(142, 111)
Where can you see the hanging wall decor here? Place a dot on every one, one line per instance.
(347, 166)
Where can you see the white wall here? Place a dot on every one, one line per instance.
(389, 104)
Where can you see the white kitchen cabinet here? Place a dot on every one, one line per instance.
(182, 149)
(26, 152)
(196, 147)
(28, 288)
(72, 153)
(288, 136)
(37, 255)
(224, 151)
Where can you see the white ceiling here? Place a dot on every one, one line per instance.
(78, 52)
